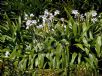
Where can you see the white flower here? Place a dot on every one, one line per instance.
(99, 16)
(7, 54)
(65, 26)
(28, 47)
(51, 16)
(75, 12)
(34, 22)
(52, 29)
(82, 17)
(62, 19)
(40, 26)
(46, 12)
(44, 17)
(93, 13)
(56, 12)
(38, 20)
(31, 15)
(85, 14)
(27, 27)
(28, 23)
(94, 20)
(25, 18)
(26, 15)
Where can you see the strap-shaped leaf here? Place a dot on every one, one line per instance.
(79, 58)
(13, 54)
(80, 46)
(74, 55)
(98, 45)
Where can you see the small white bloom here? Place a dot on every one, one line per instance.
(25, 18)
(99, 16)
(85, 14)
(75, 12)
(46, 12)
(7, 54)
(62, 19)
(34, 22)
(38, 20)
(51, 16)
(26, 15)
(52, 29)
(31, 15)
(56, 12)
(28, 47)
(40, 26)
(94, 13)
(44, 17)
(94, 20)
(65, 26)
(28, 23)
(27, 27)
(82, 17)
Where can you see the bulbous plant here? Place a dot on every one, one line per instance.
(39, 44)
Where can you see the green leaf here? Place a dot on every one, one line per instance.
(91, 35)
(32, 62)
(2, 38)
(19, 20)
(74, 55)
(85, 41)
(87, 51)
(98, 46)
(22, 64)
(54, 62)
(74, 28)
(16, 64)
(40, 60)
(79, 58)
(13, 54)
(80, 46)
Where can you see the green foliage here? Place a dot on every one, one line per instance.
(71, 46)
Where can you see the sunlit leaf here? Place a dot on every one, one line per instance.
(74, 55)
(98, 45)
(80, 46)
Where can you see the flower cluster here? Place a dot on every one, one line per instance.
(47, 18)
(75, 12)
(92, 14)
(29, 21)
